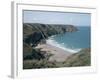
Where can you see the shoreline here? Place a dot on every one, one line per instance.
(59, 54)
(52, 42)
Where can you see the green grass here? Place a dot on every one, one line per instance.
(41, 60)
(82, 58)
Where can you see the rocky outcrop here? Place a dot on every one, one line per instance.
(33, 33)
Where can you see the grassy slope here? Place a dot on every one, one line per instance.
(36, 59)
(81, 58)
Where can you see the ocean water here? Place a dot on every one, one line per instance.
(72, 41)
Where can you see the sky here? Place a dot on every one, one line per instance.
(46, 17)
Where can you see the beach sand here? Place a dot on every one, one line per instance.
(58, 54)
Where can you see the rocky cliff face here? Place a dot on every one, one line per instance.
(33, 33)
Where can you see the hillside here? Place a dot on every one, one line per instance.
(36, 33)
(81, 58)
(43, 31)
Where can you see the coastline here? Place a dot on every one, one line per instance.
(59, 54)
(51, 46)
(52, 42)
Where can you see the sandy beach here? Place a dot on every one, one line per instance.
(58, 53)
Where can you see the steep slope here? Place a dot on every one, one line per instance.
(81, 58)
(33, 33)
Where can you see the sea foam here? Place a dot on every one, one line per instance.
(52, 42)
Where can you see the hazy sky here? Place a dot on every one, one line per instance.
(77, 19)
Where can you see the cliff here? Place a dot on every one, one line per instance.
(33, 33)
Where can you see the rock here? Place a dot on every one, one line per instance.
(33, 33)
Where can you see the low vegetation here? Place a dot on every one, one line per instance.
(81, 58)
(35, 33)
(43, 31)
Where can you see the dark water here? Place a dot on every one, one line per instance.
(72, 42)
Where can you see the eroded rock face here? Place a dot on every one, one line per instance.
(34, 38)
(33, 33)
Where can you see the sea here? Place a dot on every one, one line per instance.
(72, 41)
